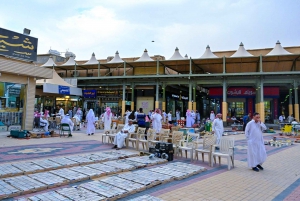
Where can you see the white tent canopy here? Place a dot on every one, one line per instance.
(208, 53)
(241, 52)
(278, 50)
(145, 57)
(176, 55)
(70, 62)
(50, 62)
(116, 59)
(92, 60)
(55, 80)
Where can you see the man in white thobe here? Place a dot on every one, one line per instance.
(212, 116)
(90, 119)
(170, 117)
(177, 115)
(107, 119)
(164, 116)
(193, 115)
(256, 152)
(218, 128)
(156, 121)
(67, 120)
(61, 113)
(123, 134)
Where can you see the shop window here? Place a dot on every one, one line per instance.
(268, 113)
(236, 109)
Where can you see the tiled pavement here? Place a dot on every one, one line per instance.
(279, 181)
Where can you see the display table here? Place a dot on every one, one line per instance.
(181, 122)
(237, 127)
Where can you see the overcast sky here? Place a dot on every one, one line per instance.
(130, 26)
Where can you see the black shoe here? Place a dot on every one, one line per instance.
(89, 134)
(92, 133)
(259, 166)
(115, 146)
(217, 148)
(70, 135)
(118, 148)
(255, 169)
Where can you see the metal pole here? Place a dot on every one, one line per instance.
(157, 67)
(124, 68)
(157, 91)
(98, 69)
(75, 72)
(224, 65)
(224, 91)
(260, 64)
(190, 91)
(261, 90)
(190, 65)
(124, 91)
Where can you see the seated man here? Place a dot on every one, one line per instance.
(120, 137)
(66, 120)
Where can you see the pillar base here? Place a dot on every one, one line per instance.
(132, 106)
(296, 113)
(190, 105)
(291, 109)
(123, 108)
(194, 106)
(156, 104)
(164, 106)
(224, 111)
(262, 111)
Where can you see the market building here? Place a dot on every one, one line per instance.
(231, 82)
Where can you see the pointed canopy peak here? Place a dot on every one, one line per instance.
(145, 57)
(278, 50)
(50, 62)
(92, 60)
(116, 59)
(241, 52)
(186, 56)
(176, 55)
(278, 42)
(70, 62)
(208, 53)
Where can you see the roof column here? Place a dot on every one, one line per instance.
(190, 107)
(296, 106)
(260, 64)
(224, 103)
(194, 97)
(132, 97)
(124, 68)
(190, 65)
(224, 65)
(157, 95)
(75, 72)
(157, 67)
(123, 99)
(164, 97)
(262, 103)
(290, 101)
(98, 69)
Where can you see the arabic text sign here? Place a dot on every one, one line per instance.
(17, 45)
(89, 93)
(63, 90)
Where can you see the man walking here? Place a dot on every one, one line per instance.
(246, 120)
(256, 152)
(218, 128)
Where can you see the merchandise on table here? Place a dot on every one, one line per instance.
(80, 159)
(104, 189)
(51, 180)
(105, 168)
(92, 173)
(163, 178)
(170, 171)
(119, 164)
(145, 198)
(132, 163)
(130, 186)
(28, 167)
(64, 161)
(49, 196)
(70, 175)
(80, 194)
(147, 160)
(7, 190)
(146, 181)
(47, 164)
(184, 167)
(7, 170)
(25, 184)
(96, 157)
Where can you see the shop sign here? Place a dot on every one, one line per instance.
(108, 93)
(179, 97)
(14, 91)
(63, 90)
(89, 93)
(18, 45)
(241, 92)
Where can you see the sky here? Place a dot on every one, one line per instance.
(130, 26)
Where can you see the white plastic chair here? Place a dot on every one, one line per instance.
(226, 150)
(188, 144)
(133, 137)
(208, 142)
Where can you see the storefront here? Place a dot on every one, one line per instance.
(112, 99)
(241, 100)
(177, 102)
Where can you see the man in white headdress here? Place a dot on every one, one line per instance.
(67, 120)
(156, 120)
(193, 115)
(218, 128)
(164, 114)
(90, 119)
(177, 115)
(107, 118)
(256, 151)
(127, 113)
(61, 112)
(212, 116)
(123, 134)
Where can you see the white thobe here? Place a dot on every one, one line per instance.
(46, 123)
(169, 117)
(107, 121)
(281, 119)
(156, 122)
(256, 152)
(212, 116)
(127, 117)
(165, 116)
(61, 112)
(90, 126)
(218, 128)
(177, 115)
(193, 115)
(189, 120)
(121, 136)
(67, 120)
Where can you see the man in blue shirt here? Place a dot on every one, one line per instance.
(246, 119)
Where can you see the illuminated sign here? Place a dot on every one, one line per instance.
(63, 90)
(17, 45)
(89, 93)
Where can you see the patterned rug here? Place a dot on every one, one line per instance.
(16, 153)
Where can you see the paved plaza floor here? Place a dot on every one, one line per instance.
(278, 181)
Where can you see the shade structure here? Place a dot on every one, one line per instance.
(92, 60)
(241, 52)
(56, 79)
(116, 59)
(208, 53)
(186, 56)
(176, 55)
(70, 62)
(278, 50)
(50, 62)
(145, 57)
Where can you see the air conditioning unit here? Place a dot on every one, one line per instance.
(75, 73)
(61, 74)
